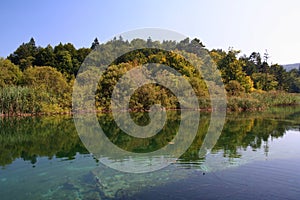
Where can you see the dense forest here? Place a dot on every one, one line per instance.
(37, 80)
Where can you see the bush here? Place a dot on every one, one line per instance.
(243, 104)
(234, 88)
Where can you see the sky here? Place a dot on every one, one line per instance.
(249, 26)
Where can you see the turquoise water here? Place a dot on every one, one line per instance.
(257, 156)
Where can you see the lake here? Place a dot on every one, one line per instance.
(257, 156)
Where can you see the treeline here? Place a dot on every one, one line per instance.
(63, 57)
(36, 79)
(253, 73)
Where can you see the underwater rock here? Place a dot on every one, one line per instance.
(116, 184)
(68, 186)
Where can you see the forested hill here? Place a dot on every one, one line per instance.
(35, 79)
(289, 67)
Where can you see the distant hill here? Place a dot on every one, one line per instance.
(289, 67)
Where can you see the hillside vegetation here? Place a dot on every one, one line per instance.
(36, 80)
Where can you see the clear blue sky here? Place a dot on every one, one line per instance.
(248, 26)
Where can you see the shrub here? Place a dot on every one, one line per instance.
(234, 88)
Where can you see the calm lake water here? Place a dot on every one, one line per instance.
(257, 156)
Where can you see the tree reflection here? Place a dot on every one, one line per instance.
(32, 137)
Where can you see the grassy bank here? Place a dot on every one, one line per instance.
(261, 100)
(22, 101)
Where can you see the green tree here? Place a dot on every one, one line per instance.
(234, 88)
(281, 77)
(95, 43)
(252, 63)
(25, 54)
(52, 83)
(10, 73)
(45, 57)
(264, 81)
(232, 69)
(217, 55)
(294, 80)
(64, 62)
(68, 59)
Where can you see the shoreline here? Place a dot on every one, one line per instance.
(206, 110)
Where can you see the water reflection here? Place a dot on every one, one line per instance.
(32, 137)
(64, 168)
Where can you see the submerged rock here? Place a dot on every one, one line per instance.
(116, 184)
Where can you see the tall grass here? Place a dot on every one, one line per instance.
(261, 100)
(16, 100)
(275, 98)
